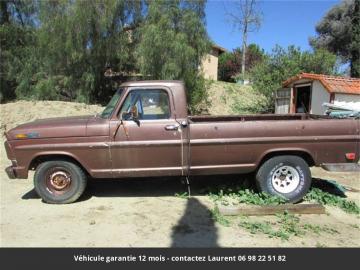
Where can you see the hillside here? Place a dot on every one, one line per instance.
(231, 98)
(15, 113)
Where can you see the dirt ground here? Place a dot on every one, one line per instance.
(140, 212)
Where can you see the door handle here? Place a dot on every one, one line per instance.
(171, 127)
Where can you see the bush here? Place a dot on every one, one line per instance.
(230, 62)
(281, 64)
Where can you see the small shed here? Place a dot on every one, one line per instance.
(307, 92)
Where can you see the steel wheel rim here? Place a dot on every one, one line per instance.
(285, 179)
(58, 180)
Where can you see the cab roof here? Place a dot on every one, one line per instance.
(167, 83)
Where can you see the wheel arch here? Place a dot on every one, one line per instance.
(43, 157)
(304, 154)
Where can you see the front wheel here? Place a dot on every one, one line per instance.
(59, 181)
(286, 176)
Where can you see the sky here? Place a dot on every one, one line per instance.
(284, 22)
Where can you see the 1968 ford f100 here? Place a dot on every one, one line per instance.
(145, 130)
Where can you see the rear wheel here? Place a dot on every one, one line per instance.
(285, 176)
(59, 181)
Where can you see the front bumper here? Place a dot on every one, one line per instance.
(16, 172)
(10, 172)
(341, 167)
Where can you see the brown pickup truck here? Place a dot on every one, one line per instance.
(145, 130)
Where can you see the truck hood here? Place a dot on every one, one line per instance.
(52, 127)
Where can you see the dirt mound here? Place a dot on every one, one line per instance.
(15, 113)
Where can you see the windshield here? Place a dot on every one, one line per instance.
(111, 105)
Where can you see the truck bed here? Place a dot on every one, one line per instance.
(219, 144)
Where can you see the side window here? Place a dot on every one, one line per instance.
(150, 104)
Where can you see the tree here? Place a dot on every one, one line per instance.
(230, 62)
(246, 19)
(17, 37)
(339, 32)
(173, 41)
(229, 65)
(76, 41)
(355, 41)
(282, 64)
(60, 50)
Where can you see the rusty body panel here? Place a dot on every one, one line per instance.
(113, 147)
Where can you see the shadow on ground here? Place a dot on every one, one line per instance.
(329, 186)
(169, 186)
(196, 228)
(153, 187)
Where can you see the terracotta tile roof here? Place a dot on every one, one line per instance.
(333, 84)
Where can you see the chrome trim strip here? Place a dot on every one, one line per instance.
(310, 139)
(146, 169)
(194, 142)
(147, 143)
(225, 166)
(97, 145)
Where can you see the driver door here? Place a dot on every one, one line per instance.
(149, 140)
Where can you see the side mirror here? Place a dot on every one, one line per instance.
(135, 115)
(134, 112)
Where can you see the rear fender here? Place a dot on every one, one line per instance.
(301, 152)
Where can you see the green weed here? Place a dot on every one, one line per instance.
(246, 196)
(240, 194)
(313, 228)
(286, 226)
(325, 198)
(218, 217)
(319, 245)
(289, 224)
(355, 226)
(183, 195)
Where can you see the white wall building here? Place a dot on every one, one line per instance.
(306, 93)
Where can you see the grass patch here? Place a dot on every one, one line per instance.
(286, 226)
(183, 195)
(247, 196)
(319, 229)
(219, 218)
(325, 198)
(355, 226)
